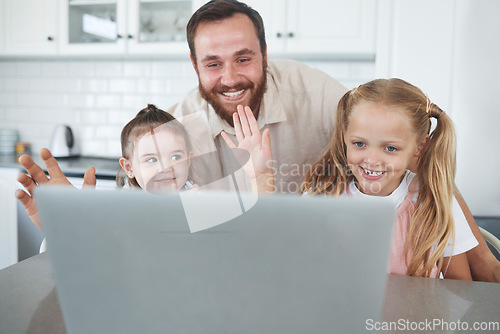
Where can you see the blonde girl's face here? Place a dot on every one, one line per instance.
(160, 161)
(381, 145)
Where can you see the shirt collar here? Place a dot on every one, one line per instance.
(271, 110)
(396, 197)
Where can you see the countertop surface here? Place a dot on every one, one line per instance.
(74, 166)
(29, 303)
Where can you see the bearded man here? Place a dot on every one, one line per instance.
(228, 52)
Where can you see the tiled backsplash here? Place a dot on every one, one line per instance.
(97, 98)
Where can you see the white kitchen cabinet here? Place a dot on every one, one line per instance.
(125, 26)
(92, 27)
(159, 27)
(30, 27)
(2, 26)
(8, 217)
(318, 27)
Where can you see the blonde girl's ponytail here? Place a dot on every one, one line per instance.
(432, 220)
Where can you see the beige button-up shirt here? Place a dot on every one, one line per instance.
(298, 107)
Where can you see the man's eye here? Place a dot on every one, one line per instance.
(391, 148)
(359, 144)
(213, 65)
(151, 160)
(176, 157)
(243, 60)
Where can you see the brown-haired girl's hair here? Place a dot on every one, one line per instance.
(218, 10)
(144, 122)
(432, 220)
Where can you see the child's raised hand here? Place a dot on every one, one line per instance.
(251, 140)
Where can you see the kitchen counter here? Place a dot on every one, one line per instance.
(106, 168)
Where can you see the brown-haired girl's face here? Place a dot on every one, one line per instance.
(381, 145)
(160, 161)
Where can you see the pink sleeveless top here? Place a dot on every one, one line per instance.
(397, 261)
(405, 204)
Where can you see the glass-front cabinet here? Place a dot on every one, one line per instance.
(159, 26)
(125, 26)
(92, 26)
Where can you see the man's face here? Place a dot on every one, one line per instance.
(230, 66)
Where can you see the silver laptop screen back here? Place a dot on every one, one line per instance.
(126, 262)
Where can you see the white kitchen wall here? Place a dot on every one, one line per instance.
(450, 49)
(98, 97)
(474, 96)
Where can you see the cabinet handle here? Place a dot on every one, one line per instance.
(278, 35)
(130, 36)
(118, 36)
(50, 38)
(291, 35)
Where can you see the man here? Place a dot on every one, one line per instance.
(297, 104)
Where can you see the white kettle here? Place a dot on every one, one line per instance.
(63, 142)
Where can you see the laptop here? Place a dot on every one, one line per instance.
(127, 261)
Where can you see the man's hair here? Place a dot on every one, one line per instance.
(218, 10)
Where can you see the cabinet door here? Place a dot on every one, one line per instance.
(158, 26)
(31, 27)
(273, 14)
(2, 26)
(8, 218)
(345, 27)
(93, 27)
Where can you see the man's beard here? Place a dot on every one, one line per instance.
(226, 112)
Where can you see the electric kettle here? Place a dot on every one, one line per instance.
(63, 142)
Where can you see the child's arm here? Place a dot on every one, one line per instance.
(483, 264)
(457, 267)
(259, 167)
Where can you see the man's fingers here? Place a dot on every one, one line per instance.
(228, 140)
(29, 205)
(36, 173)
(51, 164)
(237, 127)
(27, 182)
(22, 196)
(254, 127)
(244, 121)
(266, 143)
(89, 179)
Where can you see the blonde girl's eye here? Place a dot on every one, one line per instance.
(151, 160)
(391, 148)
(176, 157)
(359, 144)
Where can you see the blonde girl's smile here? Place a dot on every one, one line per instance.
(371, 174)
(380, 146)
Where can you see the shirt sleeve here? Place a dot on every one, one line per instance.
(464, 238)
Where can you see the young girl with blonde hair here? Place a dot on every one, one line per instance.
(383, 134)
